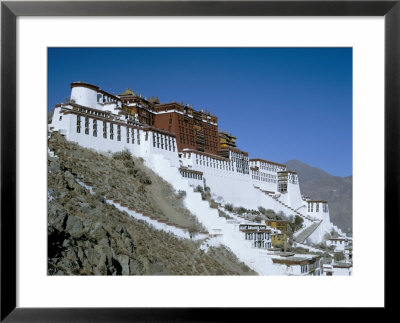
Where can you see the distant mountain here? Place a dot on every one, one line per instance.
(318, 184)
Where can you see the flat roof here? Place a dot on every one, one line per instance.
(234, 149)
(297, 259)
(188, 150)
(288, 171)
(267, 161)
(282, 221)
(253, 224)
(316, 201)
(286, 254)
(342, 265)
(161, 105)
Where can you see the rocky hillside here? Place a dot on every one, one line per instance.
(318, 184)
(87, 236)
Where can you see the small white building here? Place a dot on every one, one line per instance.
(318, 210)
(339, 243)
(342, 269)
(298, 264)
(258, 235)
(337, 269)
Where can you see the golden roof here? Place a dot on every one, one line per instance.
(128, 91)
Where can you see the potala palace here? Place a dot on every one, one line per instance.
(185, 147)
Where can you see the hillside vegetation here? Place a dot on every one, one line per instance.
(87, 236)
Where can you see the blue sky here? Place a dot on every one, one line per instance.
(281, 103)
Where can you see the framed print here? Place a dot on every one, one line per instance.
(154, 163)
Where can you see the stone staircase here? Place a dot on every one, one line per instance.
(290, 209)
(305, 233)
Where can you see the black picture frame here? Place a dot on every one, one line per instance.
(10, 10)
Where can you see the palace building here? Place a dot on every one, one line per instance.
(178, 140)
(140, 109)
(194, 129)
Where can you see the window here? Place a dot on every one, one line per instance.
(94, 128)
(86, 125)
(127, 135)
(282, 187)
(78, 124)
(60, 118)
(111, 131)
(104, 129)
(118, 132)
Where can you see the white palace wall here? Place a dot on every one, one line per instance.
(85, 96)
(143, 145)
(91, 98)
(271, 187)
(223, 179)
(234, 187)
(294, 196)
